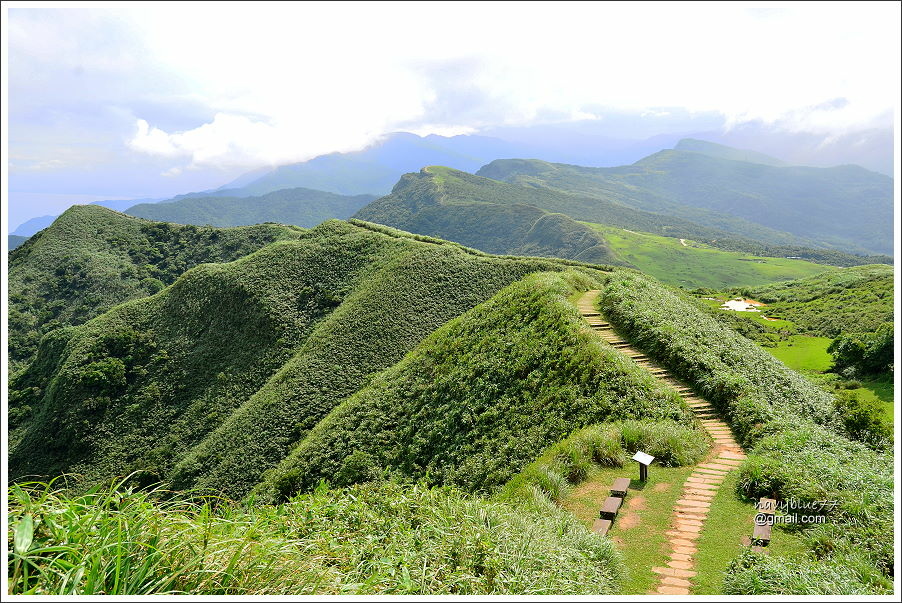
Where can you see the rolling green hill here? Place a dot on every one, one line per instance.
(481, 397)
(92, 258)
(299, 206)
(724, 152)
(487, 215)
(225, 370)
(689, 264)
(778, 205)
(845, 300)
(498, 217)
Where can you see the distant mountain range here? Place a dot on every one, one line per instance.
(700, 190)
(298, 206)
(845, 207)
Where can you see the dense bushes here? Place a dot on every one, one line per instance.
(481, 397)
(569, 461)
(741, 379)
(372, 539)
(858, 354)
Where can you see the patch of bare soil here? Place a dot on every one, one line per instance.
(660, 487)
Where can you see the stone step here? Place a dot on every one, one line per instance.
(671, 581)
(670, 571)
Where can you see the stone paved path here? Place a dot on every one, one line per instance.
(691, 510)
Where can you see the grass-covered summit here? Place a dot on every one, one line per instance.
(481, 213)
(844, 207)
(92, 258)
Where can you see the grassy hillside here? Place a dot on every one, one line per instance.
(481, 397)
(503, 218)
(845, 300)
(92, 258)
(370, 539)
(751, 200)
(795, 436)
(268, 344)
(690, 264)
(299, 206)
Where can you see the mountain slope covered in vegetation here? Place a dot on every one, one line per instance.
(299, 206)
(844, 300)
(801, 446)
(482, 396)
(490, 216)
(266, 344)
(777, 205)
(92, 258)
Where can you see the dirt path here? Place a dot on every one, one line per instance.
(691, 510)
(683, 243)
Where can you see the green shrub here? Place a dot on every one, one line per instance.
(568, 462)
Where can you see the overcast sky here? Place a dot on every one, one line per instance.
(135, 100)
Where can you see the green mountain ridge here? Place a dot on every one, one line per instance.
(298, 206)
(496, 216)
(724, 152)
(489, 216)
(92, 258)
(267, 344)
(790, 205)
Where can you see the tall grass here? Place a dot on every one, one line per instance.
(373, 538)
(568, 462)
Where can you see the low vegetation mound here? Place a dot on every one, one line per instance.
(299, 206)
(481, 397)
(92, 258)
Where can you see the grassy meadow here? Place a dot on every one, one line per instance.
(696, 265)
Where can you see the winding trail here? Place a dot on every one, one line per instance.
(691, 510)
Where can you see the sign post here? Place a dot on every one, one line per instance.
(644, 461)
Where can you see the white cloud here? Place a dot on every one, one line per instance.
(285, 83)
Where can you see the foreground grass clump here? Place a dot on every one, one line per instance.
(758, 574)
(481, 397)
(370, 539)
(569, 462)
